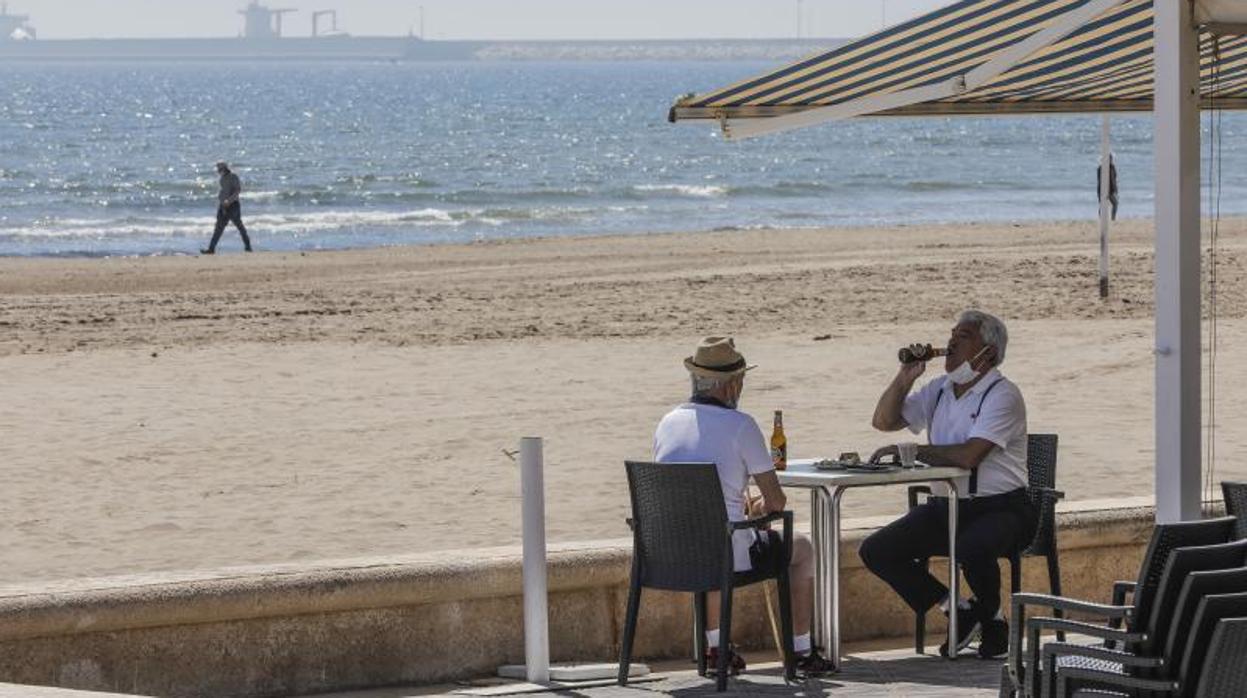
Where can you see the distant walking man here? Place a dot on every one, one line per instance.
(1112, 183)
(229, 208)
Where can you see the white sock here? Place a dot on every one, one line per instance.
(801, 644)
(712, 638)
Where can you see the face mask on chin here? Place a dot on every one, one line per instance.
(965, 373)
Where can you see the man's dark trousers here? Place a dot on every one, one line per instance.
(224, 216)
(987, 528)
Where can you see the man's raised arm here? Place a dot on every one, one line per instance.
(888, 411)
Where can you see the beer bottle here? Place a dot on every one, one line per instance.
(779, 443)
(920, 353)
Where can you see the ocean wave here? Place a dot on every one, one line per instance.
(702, 191)
(296, 224)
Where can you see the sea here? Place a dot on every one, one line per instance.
(113, 158)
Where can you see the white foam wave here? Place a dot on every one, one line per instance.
(696, 190)
(276, 224)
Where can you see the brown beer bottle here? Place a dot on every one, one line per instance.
(923, 353)
(779, 443)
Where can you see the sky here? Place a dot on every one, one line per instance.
(479, 19)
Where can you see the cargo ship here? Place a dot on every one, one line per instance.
(262, 38)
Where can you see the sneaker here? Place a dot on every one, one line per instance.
(967, 629)
(814, 664)
(735, 662)
(207, 252)
(995, 639)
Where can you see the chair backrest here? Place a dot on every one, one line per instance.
(1236, 505)
(1040, 475)
(679, 525)
(1194, 589)
(1223, 673)
(1182, 562)
(1041, 460)
(1165, 538)
(1210, 611)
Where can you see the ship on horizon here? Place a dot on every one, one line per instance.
(262, 37)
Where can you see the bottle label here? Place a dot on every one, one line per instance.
(779, 457)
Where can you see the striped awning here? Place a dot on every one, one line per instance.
(979, 57)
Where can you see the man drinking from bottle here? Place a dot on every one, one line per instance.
(975, 419)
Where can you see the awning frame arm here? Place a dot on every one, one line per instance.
(740, 129)
(1225, 28)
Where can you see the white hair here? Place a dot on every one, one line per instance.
(704, 385)
(991, 330)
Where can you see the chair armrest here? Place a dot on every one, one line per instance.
(1048, 495)
(761, 521)
(916, 490)
(1072, 626)
(1071, 680)
(1099, 610)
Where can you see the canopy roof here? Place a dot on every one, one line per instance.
(984, 57)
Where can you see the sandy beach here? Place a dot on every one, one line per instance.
(180, 413)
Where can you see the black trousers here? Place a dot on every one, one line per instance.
(224, 216)
(987, 528)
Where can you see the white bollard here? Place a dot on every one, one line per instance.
(536, 616)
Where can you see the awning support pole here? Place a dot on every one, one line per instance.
(1177, 264)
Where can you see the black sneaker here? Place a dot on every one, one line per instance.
(735, 662)
(814, 664)
(995, 639)
(967, 629)
(207, 252)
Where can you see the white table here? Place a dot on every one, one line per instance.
(826, 487)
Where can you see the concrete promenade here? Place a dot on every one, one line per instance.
(896, 672)
(426, 620)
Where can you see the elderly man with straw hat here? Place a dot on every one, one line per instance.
(709, 429)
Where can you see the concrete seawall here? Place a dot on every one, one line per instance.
(421, 619)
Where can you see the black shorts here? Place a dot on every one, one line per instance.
(767, 552)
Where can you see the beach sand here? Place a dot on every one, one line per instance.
(184, 413)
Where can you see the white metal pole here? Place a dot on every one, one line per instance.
(1177, 263)
(1106, 178)
(536, 619)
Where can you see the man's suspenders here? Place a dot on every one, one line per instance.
(974, 474)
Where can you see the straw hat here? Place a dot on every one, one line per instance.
(716, 357)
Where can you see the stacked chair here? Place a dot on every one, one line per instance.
(1236, 505)
(1135, 631)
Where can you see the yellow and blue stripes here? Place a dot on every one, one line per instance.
(1103, 65)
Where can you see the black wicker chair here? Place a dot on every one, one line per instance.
(1187, 679)
(1236, 504)
(1021, 674)
(1223, 674)
(1041, 483)
(1191, 574)
(682, 541)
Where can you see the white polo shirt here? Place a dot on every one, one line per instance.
(696, 433)
(998, 415)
